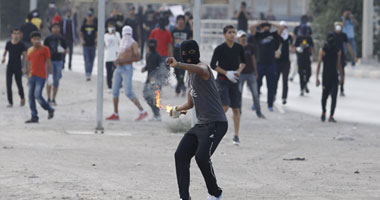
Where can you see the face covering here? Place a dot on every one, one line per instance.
(162, 23)
(330, 39)
(111, 29)
(190, 52)
(285, 34)
(338, 28)
(152, 45)
(127, 39)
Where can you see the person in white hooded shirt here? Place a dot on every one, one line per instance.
(112, 41)
(128, 53)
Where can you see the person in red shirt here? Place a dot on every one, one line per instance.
(164, 39)
(38, 56)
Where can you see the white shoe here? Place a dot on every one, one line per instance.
(210, 197)
(109, 91)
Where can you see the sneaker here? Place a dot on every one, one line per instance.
(307, 89)
(210, 197)
(332, 120)
(253, 107)
(53, 102)
(109, 90)
(236, 140)
(284, 101)
(270, 109)
(88, 79)
(142, 116)
(51, 114)
(302, 94)
(261, 116)
(22, 102)
(342, 94)
(113, 117)
(323, 117)
(9, 105)
(32, 120)
(155, 119)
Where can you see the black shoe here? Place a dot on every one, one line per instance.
(332, 120)
(49, 101)
(323, 117)
(261, 116)
(51, 114)
(33, 120)
(307, 89)
(284, 101)
(342, 94)
(53, 102)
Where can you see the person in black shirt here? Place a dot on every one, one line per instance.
(180, 34)
(69, 34)
(303, 24)
(305, 49)
(283, 60)
(88, 37)
(341, 40)
(26, 30)
(268, 43)
(249, 72)
(154, 79)
(117, 18)
(16, 49)
(229, 61)
(242, 17)
(57, 46)
(133, 23)
(330, 55)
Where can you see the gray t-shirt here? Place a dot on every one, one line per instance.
(206, 99)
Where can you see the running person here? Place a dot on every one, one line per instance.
(16, 49)
(38, 56)
(305, 49)
(153, 81)
(229, 61)
(330, 54)
(341, 40)
(129, 52)
(202, 140)
(249, 73)
(57, 46)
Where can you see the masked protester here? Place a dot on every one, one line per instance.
(201, 140)
(155, 78)
(341, 41)
(268, 43)
(304, 49)
(283, 60)
(164, 39)
(128, 53)
(111, 42)
(330, 56)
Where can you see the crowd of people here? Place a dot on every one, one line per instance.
(242, 57)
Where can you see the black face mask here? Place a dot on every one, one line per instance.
(331, 39)
(162, 23)
(152, 44)
(190, 52)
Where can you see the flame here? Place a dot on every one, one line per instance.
(167, 108)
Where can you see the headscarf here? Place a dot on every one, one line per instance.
(127, 38)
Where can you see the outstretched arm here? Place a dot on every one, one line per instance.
(199, 69)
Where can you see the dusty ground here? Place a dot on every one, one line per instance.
(62, 159)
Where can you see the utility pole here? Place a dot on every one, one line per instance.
(367, 37)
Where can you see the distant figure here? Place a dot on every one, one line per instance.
(349, 24)
(68, 33)
(303, 23)
(242, 16)
(26, 30)
(88, 36)
(270, 16)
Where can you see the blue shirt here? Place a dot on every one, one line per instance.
(349, 28)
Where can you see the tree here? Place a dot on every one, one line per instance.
(326, 12)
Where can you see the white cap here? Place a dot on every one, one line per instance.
(241, 34)
(283, 23)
